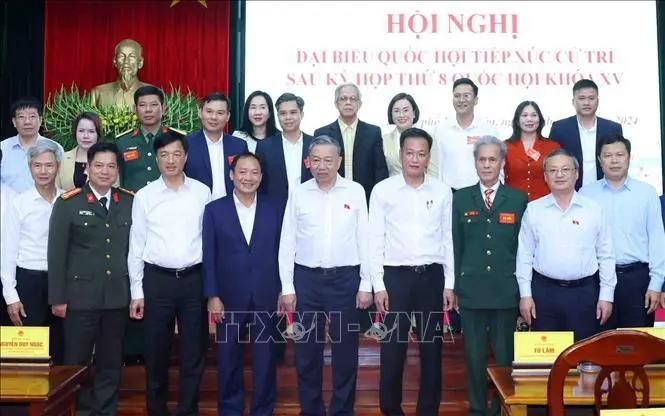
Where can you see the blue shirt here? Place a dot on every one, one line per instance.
(633, 212)
(565, 244)
(15, 172)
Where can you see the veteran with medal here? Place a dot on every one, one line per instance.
(486, 224)
(88, 282)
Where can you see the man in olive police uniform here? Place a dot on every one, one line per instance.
(486, 223)
(88, 283)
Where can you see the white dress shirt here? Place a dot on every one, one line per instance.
(565, 244)
(293, 160)
(14, 170)
(216, 152)
(166, 228)
(251, 143)
(246, 216)
(324, 229)
(7, 196)
(588, 143)
(24, 238)
(410, 227)
(456, 164)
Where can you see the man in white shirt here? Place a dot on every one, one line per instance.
(323, 260)
(27, 119)
(411, 251)
(164, 261)
(24, 268)
(455, 138)
(565, 257)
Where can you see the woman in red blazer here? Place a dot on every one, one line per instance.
(526, 149)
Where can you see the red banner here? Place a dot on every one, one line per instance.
(185, 43)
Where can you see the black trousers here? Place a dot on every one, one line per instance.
(419, 292)
(628, 310)
(327, 295)
(170, 296)
(102, 330)
(566, 308)
(32, 288)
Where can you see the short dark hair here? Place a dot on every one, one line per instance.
(415, 132)
(407, 97)
(611, 139)
(286, 97)
(466, 81)
(169, 137)
(245, 155)
(88, 115)
(103, 147)
(215, 96)
(584, 83)
(24, 103)
(148, 90)
(517, 131)
(247, 126)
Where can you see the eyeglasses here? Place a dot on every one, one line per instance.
(351, 99)
(563, 171)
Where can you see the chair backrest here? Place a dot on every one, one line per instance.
(623, 351)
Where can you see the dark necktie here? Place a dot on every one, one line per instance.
(102, 202)
(149, 137)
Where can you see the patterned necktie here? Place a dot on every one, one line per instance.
(488, 200)
(102, 202)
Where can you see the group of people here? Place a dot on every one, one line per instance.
(278, 234)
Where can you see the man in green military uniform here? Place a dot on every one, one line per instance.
(486, 223)
(88, 282)
(138, 165)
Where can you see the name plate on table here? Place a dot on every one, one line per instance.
(24, 342)
(656, 332)
(540, 347)
(654, 411)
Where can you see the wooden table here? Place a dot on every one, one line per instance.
(46, 391)
(517, 393)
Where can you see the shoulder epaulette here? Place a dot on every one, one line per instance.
(70, 193)
(183, 132)
(127, 191)
(125, 132)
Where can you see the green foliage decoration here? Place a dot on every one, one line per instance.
(66, 104)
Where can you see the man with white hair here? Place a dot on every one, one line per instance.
(24, 242)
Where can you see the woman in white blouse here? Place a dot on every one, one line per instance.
(403, 112)
(258, 119)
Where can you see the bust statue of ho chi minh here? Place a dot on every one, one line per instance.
(128, 59)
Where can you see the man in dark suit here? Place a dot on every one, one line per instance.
(87, 273)
(240, 246)
(580, 134)
(211, 151)
(486, 223)
(284, 155)
(362, 147)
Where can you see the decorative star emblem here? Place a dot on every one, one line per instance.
(201, 2)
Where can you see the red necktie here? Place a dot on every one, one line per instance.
(488, 201)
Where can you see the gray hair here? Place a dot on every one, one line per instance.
(44, 146)
(338, 91)
(324, 140)
(561, 152)
(484, 140)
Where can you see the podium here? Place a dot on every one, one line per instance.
(43, 390)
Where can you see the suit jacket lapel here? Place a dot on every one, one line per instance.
(94, 203)
(236, 221)
(304, 172)
(477, 199)
(205, 155)
(336, 134)
(258, 216)
(228, 152)
(281, 162)
(499, 198)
